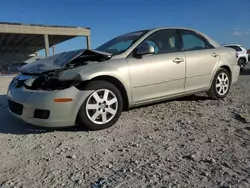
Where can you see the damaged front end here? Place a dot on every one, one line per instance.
(48, 83)
(44, 74)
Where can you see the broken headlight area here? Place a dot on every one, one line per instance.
(48, 83)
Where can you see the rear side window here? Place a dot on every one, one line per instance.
(193, 41)
(237, 48)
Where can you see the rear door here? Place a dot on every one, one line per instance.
(201, 60)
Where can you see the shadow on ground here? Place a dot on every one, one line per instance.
(187, 98)
(245, 72)
(194, 98)
(12, 125)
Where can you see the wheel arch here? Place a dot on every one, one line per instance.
(119, 85)
(213, 92)
(244, 58)
(229, 71)
(116, 82)
(216, 70)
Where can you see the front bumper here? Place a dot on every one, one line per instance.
(60, 114)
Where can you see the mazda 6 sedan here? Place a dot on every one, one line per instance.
(92, 87)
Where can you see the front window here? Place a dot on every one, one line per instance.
(121, 43)
(163, 41)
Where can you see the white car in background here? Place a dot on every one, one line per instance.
(243, 54)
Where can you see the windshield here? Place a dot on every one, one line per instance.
(57, 61)
(121, 43)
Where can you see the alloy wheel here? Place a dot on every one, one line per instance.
(222, 84)
(102, 106)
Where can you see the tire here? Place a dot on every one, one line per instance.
(242, 63)
(94, 109)
(220, 85)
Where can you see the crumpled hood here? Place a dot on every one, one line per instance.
(58, 61)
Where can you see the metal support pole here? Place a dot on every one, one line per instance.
(46, 42)
(53, 50)
(88, 42)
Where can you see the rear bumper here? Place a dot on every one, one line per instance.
(60, 114)
(235, 73)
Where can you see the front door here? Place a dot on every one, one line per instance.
(161, 74)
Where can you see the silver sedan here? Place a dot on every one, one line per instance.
(92, 87)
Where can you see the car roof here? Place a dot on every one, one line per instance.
(158, 28)
(213, 42)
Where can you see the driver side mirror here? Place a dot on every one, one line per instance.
(145, 49)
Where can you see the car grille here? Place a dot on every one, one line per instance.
(16, 107)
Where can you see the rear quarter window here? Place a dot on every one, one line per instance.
(193, 41)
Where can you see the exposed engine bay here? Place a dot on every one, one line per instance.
(44, 74)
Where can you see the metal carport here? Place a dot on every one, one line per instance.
(17, 38)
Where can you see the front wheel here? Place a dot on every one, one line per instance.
(102, 108)
(221, 84)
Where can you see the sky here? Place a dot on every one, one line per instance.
(226, 21)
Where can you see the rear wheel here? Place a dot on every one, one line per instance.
(221, 84)
(242, 64)
(103, 106)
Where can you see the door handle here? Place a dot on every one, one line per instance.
(178, 60)
(214, 54)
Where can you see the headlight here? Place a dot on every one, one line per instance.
(50, 83)
(14, 79)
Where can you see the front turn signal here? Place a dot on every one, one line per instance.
(63, 100)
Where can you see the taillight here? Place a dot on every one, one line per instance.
(248, 51)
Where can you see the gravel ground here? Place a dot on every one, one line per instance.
(189, 142)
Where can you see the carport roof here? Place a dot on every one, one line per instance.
(29, 38)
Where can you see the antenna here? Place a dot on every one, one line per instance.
(190, 24)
